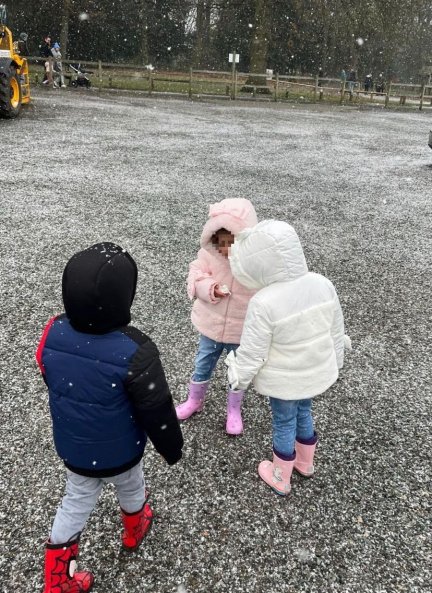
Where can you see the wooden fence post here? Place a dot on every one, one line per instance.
(100, 74)
(343, 92)
(276, 87)
(150, 79)
(190, 83)
(423, 89)
(387, 97)
(316, 88)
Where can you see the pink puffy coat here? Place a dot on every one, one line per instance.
(220, 319)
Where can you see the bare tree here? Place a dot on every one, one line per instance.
(202, 35)
(260, 41)
(64, 29)
(143, 20)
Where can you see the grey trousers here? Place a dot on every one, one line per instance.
(82, 494)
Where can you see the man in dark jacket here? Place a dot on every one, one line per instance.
(107, 393)
(46, 53)
(380, 84)
(352, 79)
(45, 47)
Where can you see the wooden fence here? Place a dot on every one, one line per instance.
(239, 85)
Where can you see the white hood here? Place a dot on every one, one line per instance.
(269, 252)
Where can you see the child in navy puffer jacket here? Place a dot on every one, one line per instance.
(107, 393)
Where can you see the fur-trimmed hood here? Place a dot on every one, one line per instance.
(232, 214)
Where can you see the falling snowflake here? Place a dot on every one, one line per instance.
(83, 16)
(359, 41)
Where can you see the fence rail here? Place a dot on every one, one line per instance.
(240, 85)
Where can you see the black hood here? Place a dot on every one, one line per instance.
(99, 286)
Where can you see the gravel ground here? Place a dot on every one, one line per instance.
(356, 184)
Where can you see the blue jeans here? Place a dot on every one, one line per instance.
(291, 419)
(207, 357)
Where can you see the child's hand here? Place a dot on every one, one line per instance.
(221, 291)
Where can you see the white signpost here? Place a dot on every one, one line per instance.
(233, 59)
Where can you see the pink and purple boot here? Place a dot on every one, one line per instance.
(195, 400)
(234, 423)
(305, 451)
(277, 474)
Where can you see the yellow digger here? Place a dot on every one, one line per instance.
(14, 75)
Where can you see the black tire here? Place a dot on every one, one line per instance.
(74, 83)
(10, 93)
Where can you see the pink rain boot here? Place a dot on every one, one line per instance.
(277, 474)
(195, 400)
(305, 451)
(234, 423)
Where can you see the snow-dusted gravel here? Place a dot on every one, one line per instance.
(78, 169)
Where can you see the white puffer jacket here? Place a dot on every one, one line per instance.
(293, 340)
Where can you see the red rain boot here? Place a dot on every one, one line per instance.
(60, 567)
(136, 526)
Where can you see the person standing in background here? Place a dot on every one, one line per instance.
(58, 66)
(45, 52)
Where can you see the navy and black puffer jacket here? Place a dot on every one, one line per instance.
(107, 387)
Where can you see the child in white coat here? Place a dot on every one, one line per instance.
(292, 344)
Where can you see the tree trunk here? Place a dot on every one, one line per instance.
(259, 42)
(64, 32)
(143, 32)
(202, 41)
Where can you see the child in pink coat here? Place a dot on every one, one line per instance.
(220, 305)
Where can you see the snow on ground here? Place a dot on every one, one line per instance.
(356, 184)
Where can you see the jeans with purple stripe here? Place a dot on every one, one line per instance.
(292, 419)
